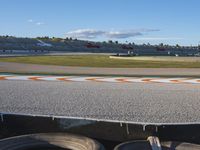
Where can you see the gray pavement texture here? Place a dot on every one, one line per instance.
(32, 68)
(152, 103)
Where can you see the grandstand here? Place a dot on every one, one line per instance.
(10, 44)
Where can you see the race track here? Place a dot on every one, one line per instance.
(146, 103)
(51, 69)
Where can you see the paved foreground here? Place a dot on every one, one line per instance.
(129, 102)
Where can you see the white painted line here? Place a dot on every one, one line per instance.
(19, 78)
(82, 79)
(108, 79)
(192, 81)
(169, 80)
(144, 80)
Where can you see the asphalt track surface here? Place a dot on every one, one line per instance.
(143, 103)
(33, 68)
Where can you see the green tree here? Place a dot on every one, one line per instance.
(110, 41)
(177, 46)
(161, 45)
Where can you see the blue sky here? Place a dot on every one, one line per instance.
(139, 21)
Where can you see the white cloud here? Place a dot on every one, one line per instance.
(122, 34)
(39, 23)
(92, 33)
(148, 30)
(35, 23)
(30, 20)
(158, 38)
(85, 33)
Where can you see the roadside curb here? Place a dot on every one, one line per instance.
(106, 79)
